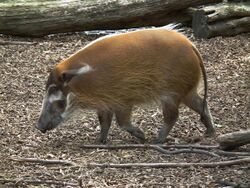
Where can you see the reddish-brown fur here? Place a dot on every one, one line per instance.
(134, 68)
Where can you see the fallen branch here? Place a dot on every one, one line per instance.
(161, 148)
(201, 149)
(147, 146)
(43, 161)
(37, 182)
(171, 165)
(231, 153)
(16, 43)
(190, 150)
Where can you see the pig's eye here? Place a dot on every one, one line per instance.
(60, 104)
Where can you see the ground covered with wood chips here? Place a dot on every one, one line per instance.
(23, 73)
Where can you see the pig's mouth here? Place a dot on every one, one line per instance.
(43, 131)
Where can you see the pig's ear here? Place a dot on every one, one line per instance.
(67, 75)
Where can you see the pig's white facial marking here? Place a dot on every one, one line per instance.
(69, 106)
(58, 95)
(52, 108)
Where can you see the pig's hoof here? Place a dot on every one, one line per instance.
(140, 135)
(142, 141)
(102, 141)
(134, 131)
(210, 133)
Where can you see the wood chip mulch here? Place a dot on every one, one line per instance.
(23, 73)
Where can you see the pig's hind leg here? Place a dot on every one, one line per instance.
(170, 114)
(195, 102)
(123, 119)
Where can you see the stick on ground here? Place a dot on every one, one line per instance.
(37, 182)
(200, 149)
(16, 43)
(179, 151)
(171, 165)
(147, 146)
(44, 161)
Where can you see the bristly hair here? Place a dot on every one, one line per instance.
(173, 26)
(176, 27)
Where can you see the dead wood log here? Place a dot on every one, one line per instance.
(221, 19)
(233, 140)
(172, 165)
(224, 11)
(39, 18)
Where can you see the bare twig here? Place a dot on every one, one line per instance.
(16, 43)
(200, 149)
(147, 146)
(231, 153)
(160, 148)
(171, 165)
(38, 182)
(190, 150)
(43, 161)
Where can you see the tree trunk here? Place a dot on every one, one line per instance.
(221, 19)
(232, 140)
(38, 18)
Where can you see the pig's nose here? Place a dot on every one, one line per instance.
(39, 127)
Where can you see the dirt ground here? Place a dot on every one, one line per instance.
(24, 70)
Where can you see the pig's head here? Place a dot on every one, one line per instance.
(59, 102)
(54, 105)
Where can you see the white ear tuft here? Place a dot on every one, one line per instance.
(69, 74)
(84, 70)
